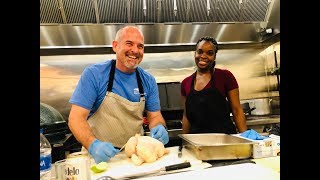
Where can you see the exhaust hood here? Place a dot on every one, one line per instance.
(68, 26)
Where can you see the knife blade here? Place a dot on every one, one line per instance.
(232, 162)
(122, 147)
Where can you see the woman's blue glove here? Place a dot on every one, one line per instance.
(159, 132)
(252, 134)
(102, 151)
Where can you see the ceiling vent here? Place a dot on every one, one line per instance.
(152, 11)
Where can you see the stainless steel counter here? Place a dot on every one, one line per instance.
(265, 120)
(251, 121)
(260, 123)
(257, 123)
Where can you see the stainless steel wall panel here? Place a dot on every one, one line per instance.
(163, 96)
(156, 34)
(174, 96)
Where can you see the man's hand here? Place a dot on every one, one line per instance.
(159, 132)
(102, 151)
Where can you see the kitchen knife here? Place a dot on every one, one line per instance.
(232, 162)
(180, 151)
(143, 174)
(163, 169)
(176, 166)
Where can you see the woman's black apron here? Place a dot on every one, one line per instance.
(208, 111)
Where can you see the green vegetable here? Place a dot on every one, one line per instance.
(98, 168)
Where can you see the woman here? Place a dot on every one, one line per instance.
(210, 94)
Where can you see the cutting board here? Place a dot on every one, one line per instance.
(121, 165)
(270, 162)
(246, 171)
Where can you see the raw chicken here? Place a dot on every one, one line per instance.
(144, 149)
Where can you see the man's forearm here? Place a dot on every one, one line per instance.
(81, 131)
(155, 118)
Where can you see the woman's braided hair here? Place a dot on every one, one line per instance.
(210, 39)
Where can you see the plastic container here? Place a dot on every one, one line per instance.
(45, 157)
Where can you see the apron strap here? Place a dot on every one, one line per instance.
(194, 76)
(141, 91)
(192, 81)
(111, 76)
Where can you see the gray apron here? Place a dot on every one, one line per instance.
(117, 119)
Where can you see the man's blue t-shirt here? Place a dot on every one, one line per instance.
(93, 83)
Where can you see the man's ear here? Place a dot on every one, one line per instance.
(114, 46)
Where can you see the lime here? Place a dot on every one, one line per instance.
(102, 166)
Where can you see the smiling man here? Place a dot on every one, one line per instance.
(110, 98)
(210, 94)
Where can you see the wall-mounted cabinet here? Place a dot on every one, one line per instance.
(170, 96)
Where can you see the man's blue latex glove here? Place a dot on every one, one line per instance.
(252, 134)
(102, 151)
(159, 132)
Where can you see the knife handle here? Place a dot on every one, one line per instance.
(177, 166)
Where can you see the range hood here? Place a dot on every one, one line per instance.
(71, 27)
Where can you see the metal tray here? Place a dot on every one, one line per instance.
(217, 146)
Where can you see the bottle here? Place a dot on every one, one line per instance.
(45, 157)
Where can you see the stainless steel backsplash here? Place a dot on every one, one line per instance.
(252, 67)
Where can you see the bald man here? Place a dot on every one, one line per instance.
(108, 102)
